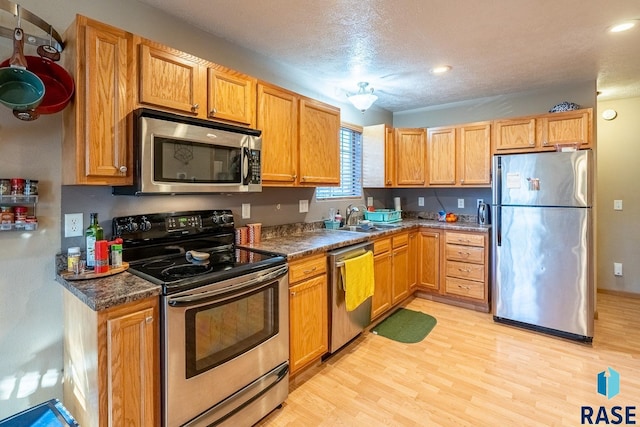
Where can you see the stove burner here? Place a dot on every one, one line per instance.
(185, 271)
(158, 264)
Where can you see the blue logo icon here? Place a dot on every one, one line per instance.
(609, 383)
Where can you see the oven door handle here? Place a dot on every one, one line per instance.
(233, 291)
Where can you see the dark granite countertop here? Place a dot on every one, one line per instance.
(125, 287)
(298, 245)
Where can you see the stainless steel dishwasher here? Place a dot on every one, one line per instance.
(345, 325)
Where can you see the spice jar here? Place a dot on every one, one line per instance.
(30, 187)
(6, 217)
(17, 186)
(5, 187)
(73, 258)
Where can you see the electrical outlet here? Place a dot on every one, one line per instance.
(461, 203)
(73, 226)
(420, 201)
(246, 210)
(478, 202)
(617, 269)
(304, 206)
(617, 205)
(369, 201)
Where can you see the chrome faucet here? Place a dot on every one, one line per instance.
(350, 211)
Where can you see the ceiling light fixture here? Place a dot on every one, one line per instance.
(441, 69)
(364, 98)
(624, 26)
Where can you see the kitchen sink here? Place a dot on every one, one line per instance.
(370, 229)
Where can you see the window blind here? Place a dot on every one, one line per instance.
(350, 167)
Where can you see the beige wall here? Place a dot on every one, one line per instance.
(618, 232)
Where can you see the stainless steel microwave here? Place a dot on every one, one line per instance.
(182, 155)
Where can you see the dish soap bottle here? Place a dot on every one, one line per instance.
(338, 218)
(93, 233)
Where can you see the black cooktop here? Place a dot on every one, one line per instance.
(156, 246)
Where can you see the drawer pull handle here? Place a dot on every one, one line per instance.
(310, 271)
(465, 270)
(463, 253)
(464, 287)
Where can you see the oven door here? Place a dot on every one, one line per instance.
(220, 339)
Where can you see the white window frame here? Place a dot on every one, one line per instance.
(350, 166)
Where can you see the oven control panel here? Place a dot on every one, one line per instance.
(166, 225)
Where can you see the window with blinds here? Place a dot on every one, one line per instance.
(350, 167)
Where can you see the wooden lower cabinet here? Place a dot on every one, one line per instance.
(308, 311)
(393, 272)
(454, 267)
(112, 363)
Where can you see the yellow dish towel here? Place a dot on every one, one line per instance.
(357, 280)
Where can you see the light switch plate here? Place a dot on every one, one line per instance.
(304, 206)
(73, 226)
(617, 205)
(617, 269)
(369, 201)
(461, 203)
(420, 201)
(246, 210)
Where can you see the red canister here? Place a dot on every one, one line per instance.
(102, 256)
(17, 186)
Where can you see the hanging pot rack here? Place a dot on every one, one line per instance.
(52, 37)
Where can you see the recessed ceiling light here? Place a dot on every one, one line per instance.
(623, 26)
(441, 69)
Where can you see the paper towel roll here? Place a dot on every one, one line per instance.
(396, 203)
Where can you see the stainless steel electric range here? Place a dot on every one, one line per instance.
(225, 316)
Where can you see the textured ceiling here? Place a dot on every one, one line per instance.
(494, 46)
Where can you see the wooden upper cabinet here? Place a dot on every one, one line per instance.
(97, 146)
(514, 134)
(460, 156)
(474, 154)
(231, 96)
(278, 119)
(171, 80)
(542, 132)
(566, 128)
(409, 161)
(319, 144)
(441, 156)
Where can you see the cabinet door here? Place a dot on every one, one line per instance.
(97, 146)
(374, 156)
(389, 154)
(566, 128)
(381, 300)
(441, 156)
(400, 280)
(474, 154)
(308, 328)
(414, 255)
(429, 260)
(319, 144)
(231, 96)
(278, 120)
(410, 147)
(517, 134)
(171, 79)
(130, 373)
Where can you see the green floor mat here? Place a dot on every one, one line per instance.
(406, 326)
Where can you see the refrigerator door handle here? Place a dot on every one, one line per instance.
(497, 198)
(498, 225)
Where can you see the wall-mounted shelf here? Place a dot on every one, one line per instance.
(52, 37)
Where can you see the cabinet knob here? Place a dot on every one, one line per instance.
(532, 143)
(389, 182)
(195, 107)
(293, 294)
(294, 176)
(213, 111)
(149, 319)
(545, 143)
(123, 169)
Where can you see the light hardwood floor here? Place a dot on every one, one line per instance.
(470, 371)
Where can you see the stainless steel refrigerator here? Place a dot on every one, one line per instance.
(542, 237)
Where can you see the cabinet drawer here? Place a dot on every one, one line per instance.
(465, 288)
(381, 246)
(308, 267)
(465, 253)
(465, 239)
(400, 240)
(465, 270)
